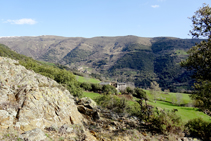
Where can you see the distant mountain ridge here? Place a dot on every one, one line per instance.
(122, 58)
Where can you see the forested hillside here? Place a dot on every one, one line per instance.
(124, 58)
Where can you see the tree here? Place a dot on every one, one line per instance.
(139, 93)
(201, 22)
(86, 86)
(179, 98)
(145, 110)
(129, 90)
(155, 90)
(199, 59)
(108, 89)
(96, 87)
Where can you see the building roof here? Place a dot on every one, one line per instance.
(121, 83)
(105, 83)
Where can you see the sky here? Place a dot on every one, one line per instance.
(91, 18)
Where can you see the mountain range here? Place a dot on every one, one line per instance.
(123, 58)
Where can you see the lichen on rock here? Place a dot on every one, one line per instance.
(29, 100)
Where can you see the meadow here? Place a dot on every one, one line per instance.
(86, 79)
(186, 113)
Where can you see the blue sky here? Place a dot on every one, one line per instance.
(90, 18)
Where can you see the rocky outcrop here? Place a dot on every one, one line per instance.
(29, 100)
(88, 107)
(87, 102)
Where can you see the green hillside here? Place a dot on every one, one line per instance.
(76, 55)
(122, 58)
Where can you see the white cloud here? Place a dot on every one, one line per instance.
(155, 6)
(22, 21)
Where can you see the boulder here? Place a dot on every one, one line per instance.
(90, 112)
(88, 107)
(87, 102)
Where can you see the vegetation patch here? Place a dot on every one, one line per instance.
(92, 95)
(199, 128)
(136, 47)
(181, 52)
(186, 113)
(86, 79)
(76, 55)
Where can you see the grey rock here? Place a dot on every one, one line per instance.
(33, 135)
(90, 112)
(6, 120)
(65, 129)
(87, 102)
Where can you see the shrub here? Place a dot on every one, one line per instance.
(75, 90)
(166, 122)
(134, 110)
(199, 128)
(129, 90)
(108, 89)
(119, 105)
(139, 93)
(145, 110)
(96, 87)
(86, 86)
(123, 91)
(63, 76)
(97, 76)
(47, 75)
(113, 103)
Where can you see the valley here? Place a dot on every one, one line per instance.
(123, 58)
(146, 79)
(114, 104)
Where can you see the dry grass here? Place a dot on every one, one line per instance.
(126, 96)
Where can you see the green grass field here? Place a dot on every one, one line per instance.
(186, 113)
(91, 95)
(180, 98)
(84, 79)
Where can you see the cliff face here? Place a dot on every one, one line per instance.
(29, 100)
